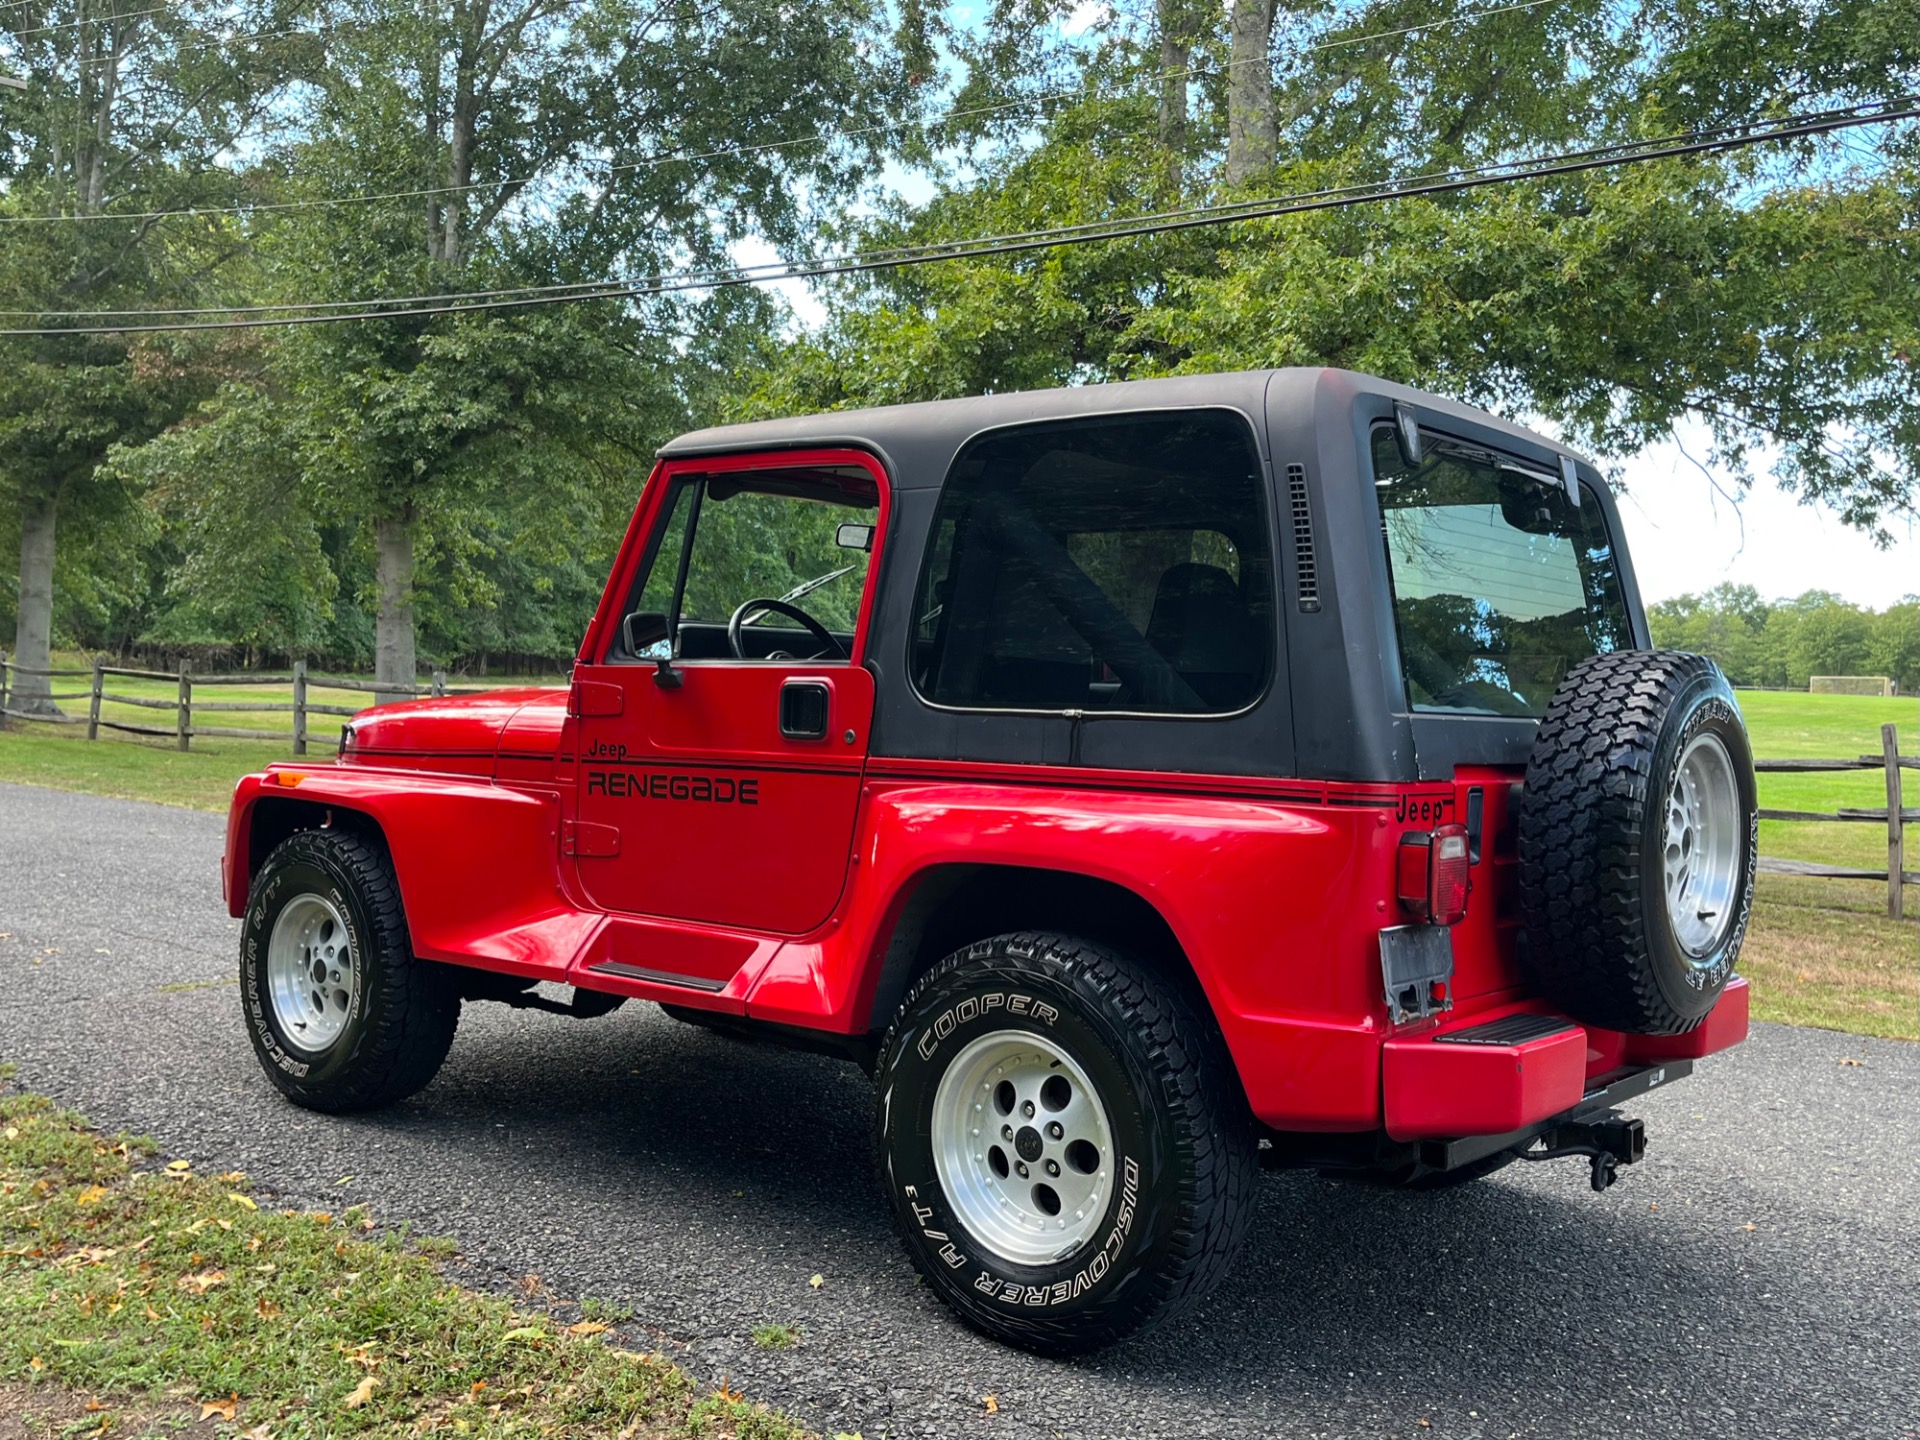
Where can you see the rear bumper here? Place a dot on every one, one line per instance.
(1495, 1076)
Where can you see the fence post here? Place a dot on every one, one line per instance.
(299, 707)
(5, 676)
(93, 703)
(184, 723)
(1896, 843)
(439, 682)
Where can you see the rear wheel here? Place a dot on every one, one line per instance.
(1063, 1142)
(1637, 831)
(341, 1013)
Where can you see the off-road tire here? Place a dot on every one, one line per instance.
(1599, 941)
(1186, 1160)
(405, 1009)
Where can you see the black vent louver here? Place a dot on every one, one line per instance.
(1305, 570)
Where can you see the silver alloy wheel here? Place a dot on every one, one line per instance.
(1701, 851)
(311, 976)
(1022, 1147)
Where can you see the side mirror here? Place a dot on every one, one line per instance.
(647, 635)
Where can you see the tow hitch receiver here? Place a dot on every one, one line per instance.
(1608, 1143)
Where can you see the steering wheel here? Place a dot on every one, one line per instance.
(792, 612)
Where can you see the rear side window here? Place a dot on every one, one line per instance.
(1500, 583)
(1118, 564)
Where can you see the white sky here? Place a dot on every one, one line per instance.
(1685, 537)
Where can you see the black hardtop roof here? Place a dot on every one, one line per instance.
(934, 430)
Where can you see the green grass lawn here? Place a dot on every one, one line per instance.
(138, 1297)
(139, 768)
(1821, 952)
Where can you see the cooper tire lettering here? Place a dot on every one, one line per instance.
(1179, 1171)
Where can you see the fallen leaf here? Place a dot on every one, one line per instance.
(153, 1314)
(344, 1180)
(179, 1167)
(36, 1363)
(992, 1404)
(219, 1409)
(732, 1397)
(1849, 1060)
(202, 1281)
(232, 1177)
(587, 1327)
(323, 1217)
(817, 1281)
(1749, 1226)
(362, 1393)
(92, 1195)
(94, 1407)
(525, 1332)
(13, 1132)
(266, 1309)
(258, 1432)
(477, 1387)
(239, 1199)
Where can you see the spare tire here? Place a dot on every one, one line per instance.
(1637, 832)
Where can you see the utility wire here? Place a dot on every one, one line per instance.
(669, 157)
(1810, 121)
(1162, 222)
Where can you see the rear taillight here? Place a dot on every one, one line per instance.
(1434, 874)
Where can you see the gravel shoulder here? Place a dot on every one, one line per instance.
(1757, 1274)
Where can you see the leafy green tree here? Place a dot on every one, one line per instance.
(127, 110)
(539, 142)
(1768, 295)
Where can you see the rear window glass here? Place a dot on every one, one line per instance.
(1119, 565)
(1500, 583)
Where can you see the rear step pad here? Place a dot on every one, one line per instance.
(1507, 1030)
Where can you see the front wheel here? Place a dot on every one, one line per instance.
(1065, 1147)
(341, 1013)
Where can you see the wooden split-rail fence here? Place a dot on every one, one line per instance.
(185, 726)
(186, 708)
(1894, 815)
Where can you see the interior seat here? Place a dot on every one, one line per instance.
(1201, 625)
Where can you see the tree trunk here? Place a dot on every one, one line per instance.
(33, 635)
(393, 654)
(1251, 137)
(1176, 59)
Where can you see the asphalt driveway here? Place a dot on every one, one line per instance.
(1758, 1275)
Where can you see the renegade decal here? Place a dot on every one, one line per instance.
(972, 1008)
(713, 789)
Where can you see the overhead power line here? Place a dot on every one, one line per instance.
(979, 247)
(672, 157)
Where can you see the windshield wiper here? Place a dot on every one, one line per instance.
(808, 587)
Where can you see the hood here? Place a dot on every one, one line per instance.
(457, 734)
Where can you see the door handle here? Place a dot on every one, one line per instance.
(805, 709)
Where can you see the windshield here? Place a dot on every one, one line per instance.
(1500, 583)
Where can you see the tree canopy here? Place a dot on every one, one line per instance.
(456, 482)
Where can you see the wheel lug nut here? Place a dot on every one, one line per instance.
(1006, 1132)
(1021, 1166)
(1026, 1108)
(1053, 1167)
(1054, 1132)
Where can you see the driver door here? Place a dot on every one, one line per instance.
(721, 786)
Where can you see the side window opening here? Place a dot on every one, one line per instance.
(1499, 583)
(1118, 564)
(802, 538)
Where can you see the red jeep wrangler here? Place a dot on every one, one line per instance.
(1146, 781)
